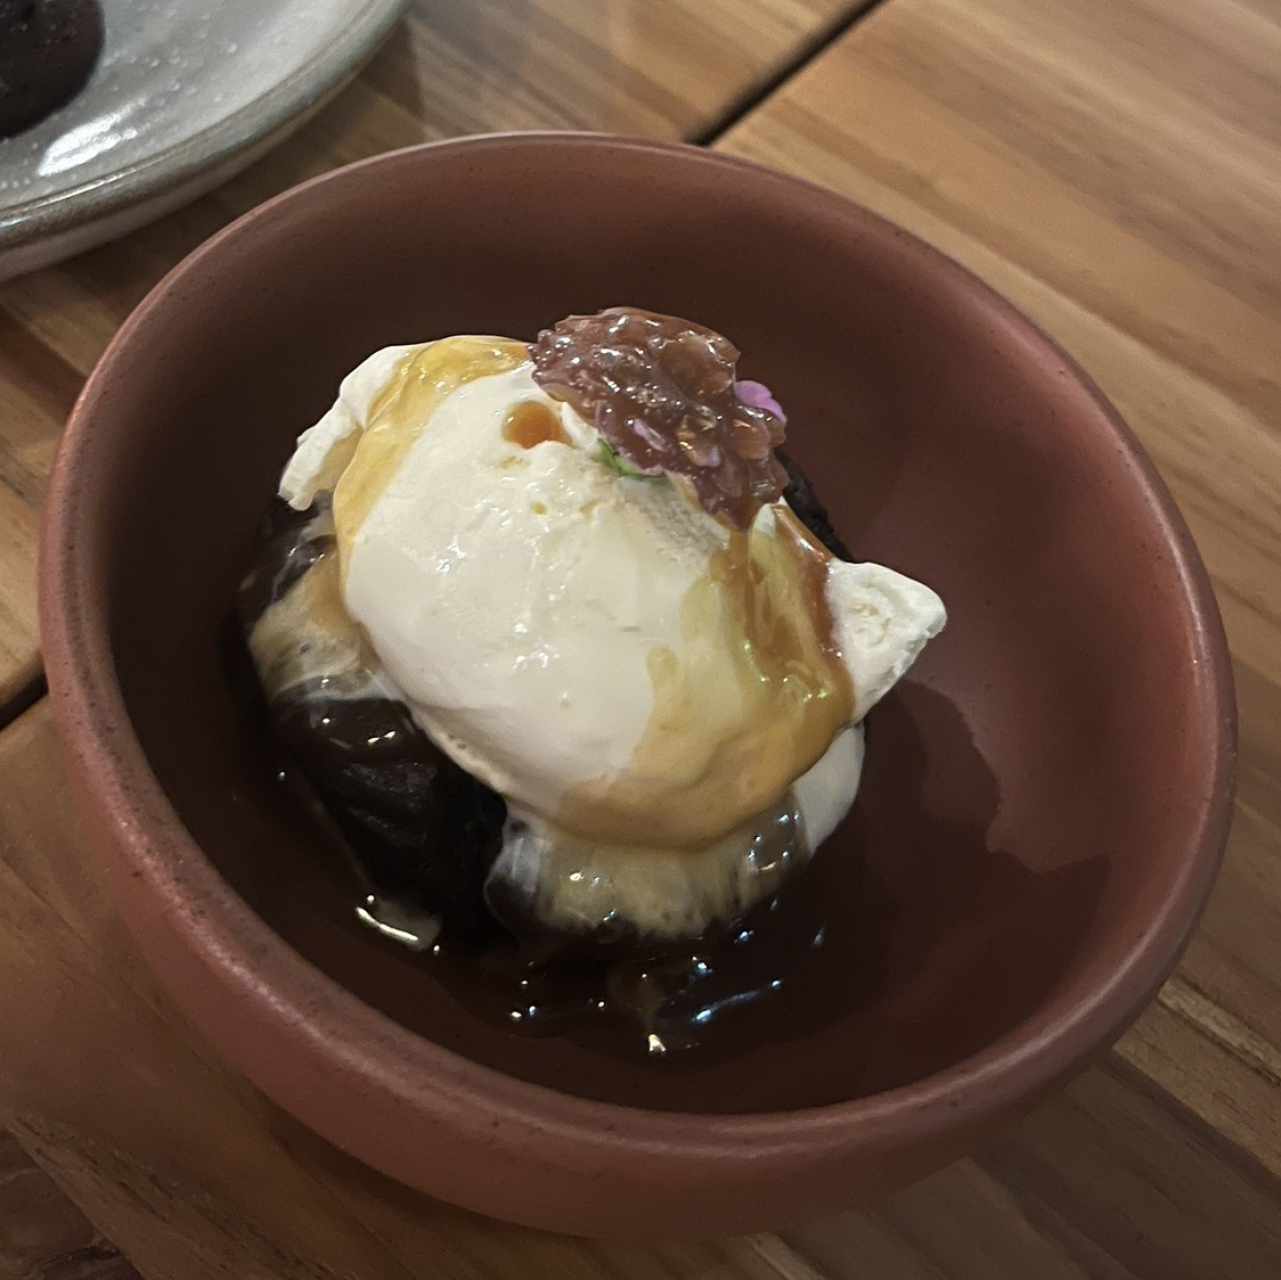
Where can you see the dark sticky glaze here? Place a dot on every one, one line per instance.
(661, 392)
(424, 834)
(47, 50)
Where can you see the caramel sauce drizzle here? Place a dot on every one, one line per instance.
(400, 414)
(753, 700)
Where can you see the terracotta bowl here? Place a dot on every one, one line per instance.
(1047, 798)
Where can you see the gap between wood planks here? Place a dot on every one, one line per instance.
(1186, 1001)
(29, 688)
(755, 95)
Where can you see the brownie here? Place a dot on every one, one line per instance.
(809, 510)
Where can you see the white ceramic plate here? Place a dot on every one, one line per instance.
(185, 93)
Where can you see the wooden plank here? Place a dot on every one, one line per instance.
(1114, 170)
(42, 1233)
(663, 69)
(195, 1175)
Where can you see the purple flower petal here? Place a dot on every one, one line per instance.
(759, 396)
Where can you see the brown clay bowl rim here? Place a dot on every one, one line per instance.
(333, 1029)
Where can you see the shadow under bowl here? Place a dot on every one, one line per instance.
(1046, 799)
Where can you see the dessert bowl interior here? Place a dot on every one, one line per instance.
(1045, 797)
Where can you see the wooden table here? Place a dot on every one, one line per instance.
(1114, 166)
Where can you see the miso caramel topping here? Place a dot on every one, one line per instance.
(661, 390)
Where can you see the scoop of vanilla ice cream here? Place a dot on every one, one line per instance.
(516, 593)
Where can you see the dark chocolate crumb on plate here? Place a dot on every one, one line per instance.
(47, 50)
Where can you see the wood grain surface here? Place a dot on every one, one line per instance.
(196, 1175)
(1113, 166)
(666, 68)
(42, 1234)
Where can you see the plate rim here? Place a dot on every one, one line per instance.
(267, 114)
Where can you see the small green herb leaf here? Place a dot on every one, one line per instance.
(614, 461)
